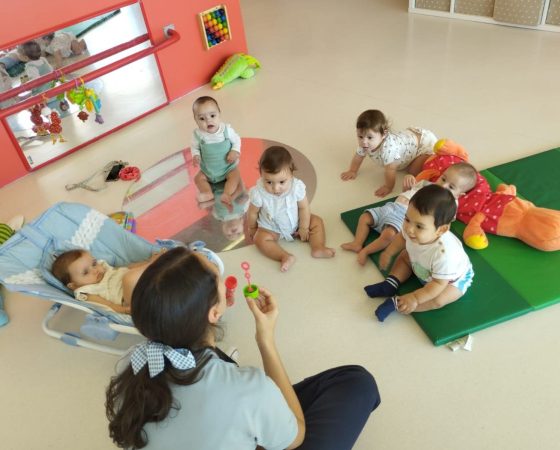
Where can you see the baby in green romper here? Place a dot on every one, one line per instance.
(215, 149)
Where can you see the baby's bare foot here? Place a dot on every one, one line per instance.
(351, 246)
(204, 196)
(324, 252)
(362, 258)
(287, 262)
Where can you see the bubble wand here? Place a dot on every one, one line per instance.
(251, 290)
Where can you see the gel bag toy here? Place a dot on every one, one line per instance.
(501, 212)
(238, 65)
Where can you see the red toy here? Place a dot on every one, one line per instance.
(500, 212)
(231, 285)
(129, 173)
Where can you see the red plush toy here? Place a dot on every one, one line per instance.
(500, 212)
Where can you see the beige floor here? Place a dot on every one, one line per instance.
(492, 88)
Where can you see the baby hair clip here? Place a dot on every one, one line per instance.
(251, 290)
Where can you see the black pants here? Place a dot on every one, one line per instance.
(336, 405)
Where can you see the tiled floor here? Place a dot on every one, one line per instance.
(492, 88)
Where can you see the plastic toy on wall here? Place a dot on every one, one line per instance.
(214, 25)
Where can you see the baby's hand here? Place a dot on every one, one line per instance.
(407, 303)
(196, 161)
(349, 175)
(252, 232)
(232, 156)
(303, 234)
(383, 191)
(408, 182)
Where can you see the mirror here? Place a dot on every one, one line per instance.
(164, 203)
(89, 109)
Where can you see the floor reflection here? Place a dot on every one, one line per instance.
(165, 206)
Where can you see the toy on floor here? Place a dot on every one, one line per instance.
(251, 290)
(214, 26)
(501, 212)
(231, 285)
(85, 97)
(238, 65)
(125, 219)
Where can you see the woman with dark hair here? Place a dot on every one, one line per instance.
(180, 391)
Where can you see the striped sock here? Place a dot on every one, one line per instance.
(386, 288)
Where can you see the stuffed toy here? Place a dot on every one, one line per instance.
(238, 65)
(500, 212)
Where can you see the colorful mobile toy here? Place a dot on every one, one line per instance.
(214, 26)
(52, 126)
(238, 65)
(85, 97)
(251, 290)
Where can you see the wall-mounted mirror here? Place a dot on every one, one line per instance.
(89, 109)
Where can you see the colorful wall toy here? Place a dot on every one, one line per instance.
(86, 98)
(238, 65)
(214, 25)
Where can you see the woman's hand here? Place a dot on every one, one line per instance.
(265, 311)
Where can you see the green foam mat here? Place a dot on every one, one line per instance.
(511, 278)
(536, 177)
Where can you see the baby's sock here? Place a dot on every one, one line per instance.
(386, 288)
(386, 308)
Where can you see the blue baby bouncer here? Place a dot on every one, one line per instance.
(26, 259)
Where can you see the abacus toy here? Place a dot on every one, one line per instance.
(251, 290)
(214, 26)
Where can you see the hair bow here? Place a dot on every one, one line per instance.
(153, 353)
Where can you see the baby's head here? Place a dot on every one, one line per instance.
(32, 50)
(76, 268)
(233, 228)
(276, 167)
(47, 38)
(459, 179)
(430, 213)
(207, 114)
(371, 128)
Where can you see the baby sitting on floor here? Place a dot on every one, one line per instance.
(388, 219)
(98, 282)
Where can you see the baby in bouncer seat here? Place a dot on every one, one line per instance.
(96, 281)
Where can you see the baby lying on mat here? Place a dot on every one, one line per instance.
(98, 282)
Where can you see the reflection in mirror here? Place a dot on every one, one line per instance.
(164, 202)
(88, 109)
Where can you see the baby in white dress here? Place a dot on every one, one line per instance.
(279, 209)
